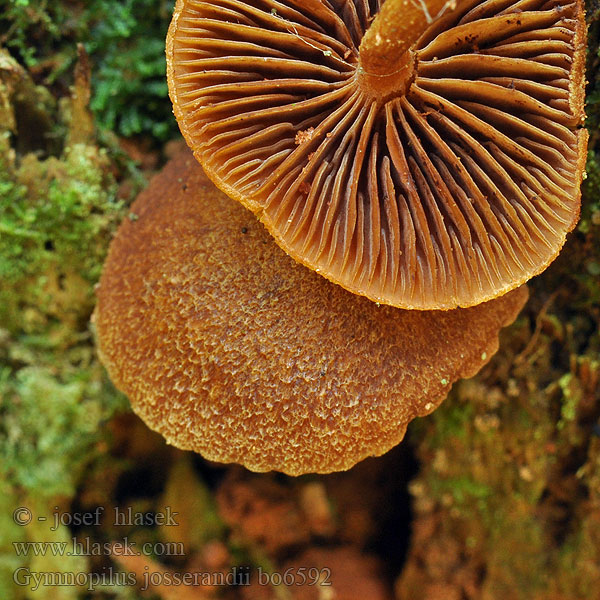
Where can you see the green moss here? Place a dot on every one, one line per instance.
(49, 425)
(462, 489)
(452, 419)
(10, 533)
(57, 215)
(55, 220)
(125, 40)
(568, 411)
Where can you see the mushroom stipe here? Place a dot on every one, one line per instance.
(228, 347)
(427, 157)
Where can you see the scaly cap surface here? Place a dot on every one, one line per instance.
(228, 347)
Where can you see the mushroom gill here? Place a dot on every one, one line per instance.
(427, 157)
(228, 347)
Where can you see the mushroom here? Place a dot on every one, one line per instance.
(427, 157)
(228, 347)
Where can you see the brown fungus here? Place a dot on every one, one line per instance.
(228, 347)
(431, 159)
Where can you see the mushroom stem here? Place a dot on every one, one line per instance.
(386, 64)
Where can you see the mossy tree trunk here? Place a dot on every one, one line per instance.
(505, 482)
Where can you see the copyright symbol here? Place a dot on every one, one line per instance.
(22, 516)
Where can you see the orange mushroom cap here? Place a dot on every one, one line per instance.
(431, 162)
(228, 347)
